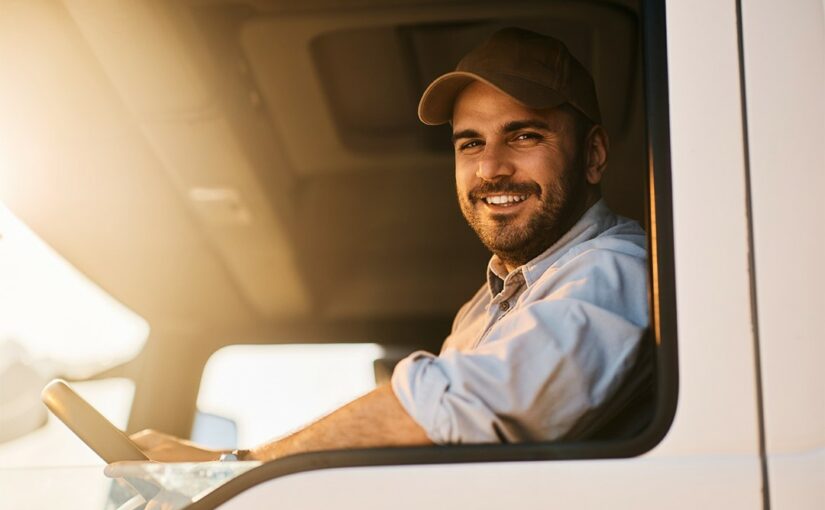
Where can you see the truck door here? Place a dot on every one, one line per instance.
(784, 70)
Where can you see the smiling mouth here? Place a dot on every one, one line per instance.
(504, 200)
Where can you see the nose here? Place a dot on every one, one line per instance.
(494, 163)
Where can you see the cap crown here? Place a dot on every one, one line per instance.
(534, 69)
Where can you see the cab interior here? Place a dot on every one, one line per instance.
(254, 172)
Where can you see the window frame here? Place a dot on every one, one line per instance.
(662, 330)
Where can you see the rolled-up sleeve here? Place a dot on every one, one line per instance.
(420, 383)
(536, 372)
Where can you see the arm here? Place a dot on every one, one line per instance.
(557, 355)
(376, 419)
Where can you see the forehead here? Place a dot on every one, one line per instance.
(480, 106)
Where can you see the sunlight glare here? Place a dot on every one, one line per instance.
(55, 313)
(270, 390)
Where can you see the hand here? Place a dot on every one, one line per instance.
(162, 447)
(170, 485)
(144, 478)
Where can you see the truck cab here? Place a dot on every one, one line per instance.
(243, 178)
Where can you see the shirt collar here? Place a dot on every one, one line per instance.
(586, 227)
(496, 275)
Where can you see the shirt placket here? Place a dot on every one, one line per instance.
(501, 303)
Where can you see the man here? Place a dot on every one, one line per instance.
(557, 325)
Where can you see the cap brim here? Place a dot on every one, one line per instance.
(436, 105)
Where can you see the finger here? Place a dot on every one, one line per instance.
(160, 505)
(171, 500)
(135, 476)
(181, 453)
(124, 468)
(136, 502)
(146, 489)
(148, 438)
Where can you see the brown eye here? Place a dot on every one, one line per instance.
(472, 144)
(523, 137)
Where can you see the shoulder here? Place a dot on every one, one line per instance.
(619, 234)
(619, 238)
(608, 271)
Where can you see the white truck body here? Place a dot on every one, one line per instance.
(711, 456)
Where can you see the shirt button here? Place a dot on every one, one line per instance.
(504, 306)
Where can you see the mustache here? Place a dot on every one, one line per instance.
(513, 188)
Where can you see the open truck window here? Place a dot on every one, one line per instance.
(351, 194)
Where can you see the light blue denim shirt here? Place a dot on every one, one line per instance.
(536, 349)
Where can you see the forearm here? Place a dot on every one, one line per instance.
(376, 419)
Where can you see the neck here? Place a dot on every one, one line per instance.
(592, 196)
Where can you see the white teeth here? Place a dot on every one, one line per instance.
(504, 199)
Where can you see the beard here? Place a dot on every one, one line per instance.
(517, 240)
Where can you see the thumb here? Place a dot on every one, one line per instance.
(148, 439)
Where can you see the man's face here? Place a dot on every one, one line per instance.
(520, 172)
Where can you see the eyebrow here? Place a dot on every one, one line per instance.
(513, 125)
(465, 133)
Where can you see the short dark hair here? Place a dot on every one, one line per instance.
(581, 124)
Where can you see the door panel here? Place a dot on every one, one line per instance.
(785, 78)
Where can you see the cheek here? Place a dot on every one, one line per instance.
(541, 167)
(464, 177)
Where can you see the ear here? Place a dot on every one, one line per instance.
(597, 146)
